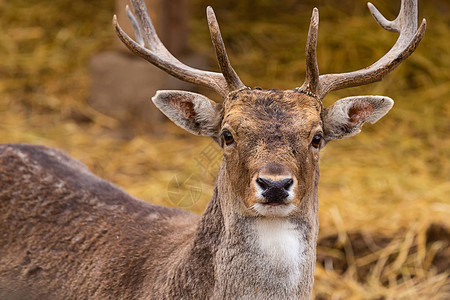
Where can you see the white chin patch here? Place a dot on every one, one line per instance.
(274, 211)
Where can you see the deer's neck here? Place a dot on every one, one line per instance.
(254, 257)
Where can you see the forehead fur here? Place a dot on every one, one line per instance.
(273, 112)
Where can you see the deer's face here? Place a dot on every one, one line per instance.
(271, 141)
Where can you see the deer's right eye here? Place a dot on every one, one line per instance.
(316, 141)
(227, 137)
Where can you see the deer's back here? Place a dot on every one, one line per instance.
(68, 232)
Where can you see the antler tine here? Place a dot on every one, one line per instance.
(406, 9)
(228, 72)
(150, 37)
(311, 83)
(386, 24)
(407, 42)
(137, 31)
(150, 47)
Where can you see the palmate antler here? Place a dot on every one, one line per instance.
(150, 47)
(407, 42)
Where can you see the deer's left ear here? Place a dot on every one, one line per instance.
(193, 112)
(346, 116)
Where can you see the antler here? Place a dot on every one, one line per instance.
(150, 47)
(407, 42)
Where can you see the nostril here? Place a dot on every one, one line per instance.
(288, 184)
(263, 183)
(266, 184)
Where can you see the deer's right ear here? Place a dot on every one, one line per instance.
(193, 112)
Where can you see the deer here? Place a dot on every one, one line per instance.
(68, 234)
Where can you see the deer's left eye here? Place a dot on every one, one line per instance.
(227, 137)
(316, 141)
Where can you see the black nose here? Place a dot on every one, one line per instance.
(275, 191)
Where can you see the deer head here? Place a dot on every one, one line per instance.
(271, 139)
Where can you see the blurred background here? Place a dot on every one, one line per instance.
(66, 82)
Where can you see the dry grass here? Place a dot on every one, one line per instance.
(384, 186)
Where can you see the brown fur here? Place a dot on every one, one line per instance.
(67, 234)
